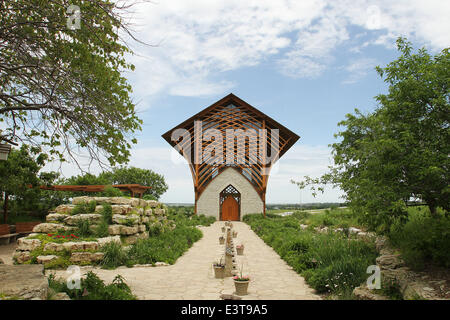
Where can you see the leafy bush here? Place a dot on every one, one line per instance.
(93, 288)
(107, 212)
(115, 255)
(110, 191)
(102, 229)
(84, 208)
(149, 197)
(423, 238)
(84, 228)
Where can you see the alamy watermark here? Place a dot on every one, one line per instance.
(212, 146)
(74, 279)
(374, 281)
(74, 20)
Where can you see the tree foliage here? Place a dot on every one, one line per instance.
(124, 175)
(399, 152)
(61, 87)
(130, 175)
(17, 174)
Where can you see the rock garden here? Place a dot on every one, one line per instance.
(79, 232)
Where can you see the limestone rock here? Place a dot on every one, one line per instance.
(380, 243)
(61, 296)
(118, 229)
(114, 229)
(142, 228)
(53, 246)
(143, 235)
(128, 230)
(152, 203)
(354, 230)
(91, 217)
(1, 261)
(363, 293)
(105, 240)
(25, 244)
(303, 226)
(142, 203)
(121, 209)
(21, 256)
(390, 261)
(46, 259)
(55, 217)
(23, 281)
(64, 208)
(123, 219)
(145, 219)
(83, 257)
(131, 239)
(134, 202)
(159, 211)
(148, 212)
(73, 245)
(90, 245)
(81, 200)
(48, 228)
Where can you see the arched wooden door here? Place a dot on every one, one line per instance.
(230, 201)
(230, 209)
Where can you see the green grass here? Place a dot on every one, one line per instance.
(164, 247)
(331, 262)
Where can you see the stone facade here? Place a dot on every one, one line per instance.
(208, 203)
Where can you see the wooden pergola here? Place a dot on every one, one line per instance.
(134, 189)
(234, 113)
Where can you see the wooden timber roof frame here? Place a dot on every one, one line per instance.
(231, 112)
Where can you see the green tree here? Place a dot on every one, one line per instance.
(400, 151)
(17, 174)
(62, 87)
(133, 175)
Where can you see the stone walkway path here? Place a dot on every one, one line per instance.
(192, 276)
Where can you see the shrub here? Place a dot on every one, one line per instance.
(102, 229)
(423, 239)
(115, 255)
(93, 288)
(84, 208)
(110, 191)
(107, 212)
(84, 228)
(79, 208)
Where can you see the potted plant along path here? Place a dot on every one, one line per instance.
(219, 269)
(241, 284)
(223, 229)
(235, 234)
(240, 249)
(221, 240)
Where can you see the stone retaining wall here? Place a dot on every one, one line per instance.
(131, 220)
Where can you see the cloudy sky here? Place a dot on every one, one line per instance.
(305, 63)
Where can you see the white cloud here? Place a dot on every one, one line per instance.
(199, 40)
(358, 69)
